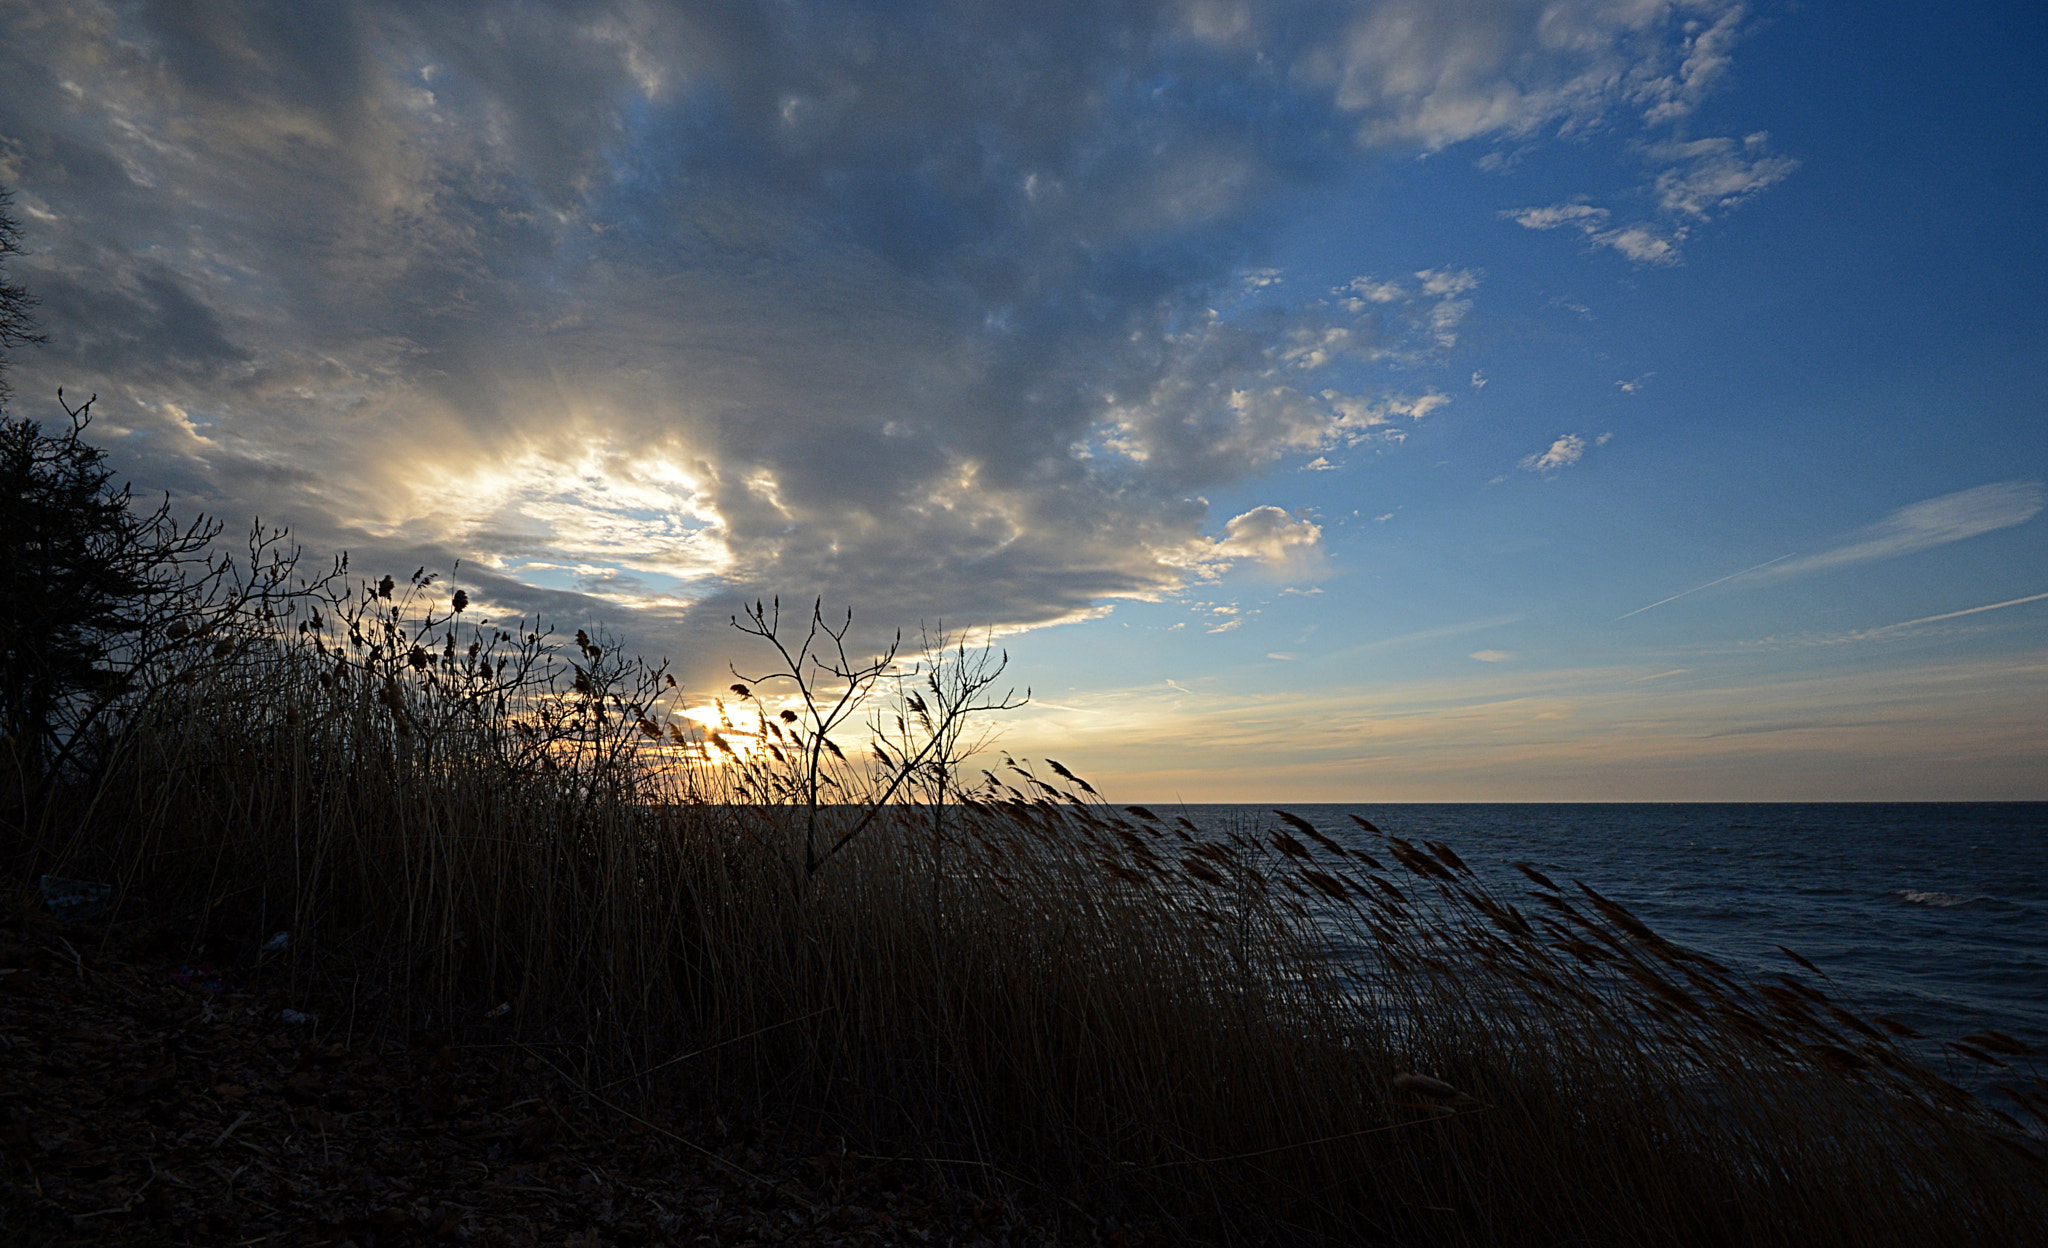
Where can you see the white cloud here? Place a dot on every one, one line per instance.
(1700, 179)
(1357, 417)
(1563, 453)
(1267, 534)
(1318, 464)
(1693, 179)
(1368, 290)
(1708, 176)
(1581, 216)
(1707, 55)
(1478, 380)
(1492, 656)
(1446, 282)
(1641, 242)
(1420, 74)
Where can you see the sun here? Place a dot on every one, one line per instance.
(727, 734)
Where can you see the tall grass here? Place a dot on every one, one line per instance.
(1280, 1033)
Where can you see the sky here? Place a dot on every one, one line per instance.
(1467, 400)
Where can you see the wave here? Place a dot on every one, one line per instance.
(1942, 901)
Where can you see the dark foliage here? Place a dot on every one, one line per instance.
(79, 571)
(17, 319)
(101, 601)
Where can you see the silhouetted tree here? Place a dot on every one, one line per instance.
(82, 578)
(99, 600)
(17, 320)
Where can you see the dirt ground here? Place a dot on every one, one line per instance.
(152, 1101)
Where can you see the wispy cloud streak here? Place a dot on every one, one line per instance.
(1925, 525)
(1909, 530)
(1709, 585)
(1431, 634)
(1957, 615)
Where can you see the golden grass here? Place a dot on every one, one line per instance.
(1271, 1034)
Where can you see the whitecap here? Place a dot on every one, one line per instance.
(1944, 901)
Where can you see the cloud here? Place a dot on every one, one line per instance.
(1582, 216)
(1563, 453)
(1427, 75)
(1955, 728)
(1368, 290)
(1492, 656)
(1449, 311)
(1902, 631)
(1641, 242)
(1956, 615)
(638, 309)
(1913, 528)
(1357, 418)
(1439, 633)
(1267, 534)
(1922, 526)
(1697, 588)
(1708, 176)
(1693, 180)
(1436, 302)
(1707, 55)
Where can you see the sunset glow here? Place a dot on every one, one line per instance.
(1360, 400)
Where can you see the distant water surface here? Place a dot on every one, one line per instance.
(1935, 914)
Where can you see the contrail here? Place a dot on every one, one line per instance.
(1709, 585)
(1429, 634)
(1970, 611)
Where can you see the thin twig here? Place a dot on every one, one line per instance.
(220, 1139)
(711, 1047)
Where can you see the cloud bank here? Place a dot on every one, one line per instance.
(651, 308)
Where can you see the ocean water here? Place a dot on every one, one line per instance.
(1935, 914)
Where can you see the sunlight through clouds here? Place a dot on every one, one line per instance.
(897, 276)
(1163, 334)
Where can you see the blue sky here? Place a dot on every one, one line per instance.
(1591, 400)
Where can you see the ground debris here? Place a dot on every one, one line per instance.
(162, 1103)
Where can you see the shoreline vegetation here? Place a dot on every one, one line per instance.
(388, 827)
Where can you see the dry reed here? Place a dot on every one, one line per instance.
(1267, 1034)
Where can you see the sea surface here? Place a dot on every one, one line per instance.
(1935, 914)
